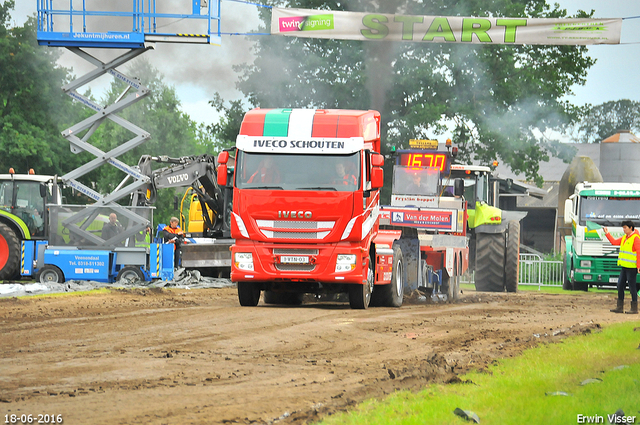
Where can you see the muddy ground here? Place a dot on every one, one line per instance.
(158, 356)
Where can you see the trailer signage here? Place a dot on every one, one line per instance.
(434, 219)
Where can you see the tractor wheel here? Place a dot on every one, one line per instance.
(360, 295)
(130, 274)
(391, 295)
(512, 259)
(248, 294)
(50, 274)
(285, 298)
(9, 253)
(490, 262)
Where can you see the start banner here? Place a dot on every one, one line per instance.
(443, 29)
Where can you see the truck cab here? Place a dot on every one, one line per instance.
(305, 204)
(589, 258)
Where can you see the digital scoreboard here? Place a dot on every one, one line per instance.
(439, 160)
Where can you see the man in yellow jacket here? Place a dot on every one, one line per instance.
(629, 260)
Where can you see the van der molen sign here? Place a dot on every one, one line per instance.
(443, 29)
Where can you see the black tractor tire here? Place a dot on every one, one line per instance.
(284, 298)
(566, 282)
(490, 250)
(50, 274)
(131, 273)
(360, 295)
(512, 259)
(391, 295)
(9, 253)
(248, 294)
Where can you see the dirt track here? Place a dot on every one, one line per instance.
(195, 356)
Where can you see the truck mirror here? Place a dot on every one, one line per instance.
(377, 178)
(377, 160)
(43, 190)
(568, 210)
(222, 174)
(223, 157)
(458, 187)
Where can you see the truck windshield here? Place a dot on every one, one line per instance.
(476, 186)
(298, 172)
(416, 180)
(609, 211)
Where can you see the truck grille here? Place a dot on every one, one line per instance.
(287, 229)
(280, 251)
(295, 267)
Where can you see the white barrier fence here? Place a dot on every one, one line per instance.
(534, 271)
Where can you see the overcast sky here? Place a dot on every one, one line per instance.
(198, 71)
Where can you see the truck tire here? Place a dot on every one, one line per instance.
(512, 259)
(490, 262)
(360, 295)
(130, 273)
(9, 253)
(50, 274)
(285, 298)
(248, 294)
(566, 282)
(391, 295)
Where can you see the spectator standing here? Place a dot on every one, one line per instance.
(629, 262)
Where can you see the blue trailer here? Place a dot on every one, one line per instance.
(57, 264)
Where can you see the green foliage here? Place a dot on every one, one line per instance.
(223, 133)
(498, 98)
(601, 121)
(33, 109)
(513, 391)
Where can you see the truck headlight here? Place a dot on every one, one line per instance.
(243, 260)
(345, 263)
(585, 263)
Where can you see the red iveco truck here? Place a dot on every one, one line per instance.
(306, 212)
(306, 198)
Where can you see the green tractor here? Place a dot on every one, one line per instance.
(23, 216)
(494, 245)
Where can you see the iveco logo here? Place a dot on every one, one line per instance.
(294, 214)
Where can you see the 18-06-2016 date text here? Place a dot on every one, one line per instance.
(32, 419)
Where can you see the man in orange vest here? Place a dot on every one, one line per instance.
(174, 234)
(267, 173)
(629, 261)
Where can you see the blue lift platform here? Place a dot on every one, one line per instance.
(78, 252)
(76, 25)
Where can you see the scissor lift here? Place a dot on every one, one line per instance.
(76, 27)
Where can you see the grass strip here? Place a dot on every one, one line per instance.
(513, 390)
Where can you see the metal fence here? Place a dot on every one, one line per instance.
(534, 271)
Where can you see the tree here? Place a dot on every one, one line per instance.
(497, 99)
(33, 109)
(601, 121)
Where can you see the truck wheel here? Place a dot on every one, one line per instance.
(248, 294)
(360, 295)
(490, 262)
(9, 253)
(285, 298)
(512, 260)
(130, 273)
(50, 274)
(566, 282)
(391, 295)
